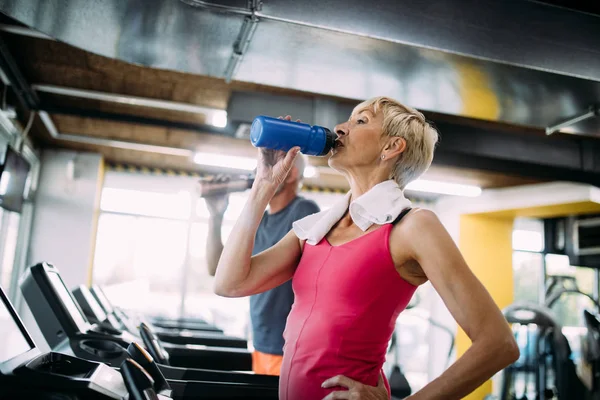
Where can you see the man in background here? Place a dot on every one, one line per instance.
(269, 310)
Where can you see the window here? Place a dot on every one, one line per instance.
(156, 204)
(9, 232)
(528, 261)
(527, 271)
(141, 260)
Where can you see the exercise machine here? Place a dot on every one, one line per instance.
(50, 301)
(67, 329)
(94, 312)
(546, 356)
(27, 373)
(126, 318)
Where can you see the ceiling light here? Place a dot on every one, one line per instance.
(454, 189)
(225, 161)
(310, 172)
(219, 119)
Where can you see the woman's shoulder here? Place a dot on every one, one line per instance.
(417, 221)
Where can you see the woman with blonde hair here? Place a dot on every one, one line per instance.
(355, 266)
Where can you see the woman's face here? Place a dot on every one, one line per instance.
(360, 141)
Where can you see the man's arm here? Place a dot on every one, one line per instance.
(214, 244)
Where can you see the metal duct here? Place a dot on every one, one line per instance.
(519, 62)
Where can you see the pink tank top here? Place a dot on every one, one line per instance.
(347, 300)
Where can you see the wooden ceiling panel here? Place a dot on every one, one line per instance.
(127, 109)
(154, 135)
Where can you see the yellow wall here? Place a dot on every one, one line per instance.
(486, 243)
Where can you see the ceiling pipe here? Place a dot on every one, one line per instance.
(119, 144)
(592, 112)
(243, 39)
(129, 100)
(241, 46)
(218, 7)
(24, 31)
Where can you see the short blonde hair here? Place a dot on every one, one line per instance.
(407, 123)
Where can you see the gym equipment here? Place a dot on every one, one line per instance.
(27, 373)
(399, 386)
(45, 292)
(536, 354)
(162, 372)
(139, 384)
(561, 285)
(590, 368)
(144, 377)
(67, 330)
(94, 312)
(546, 354)
(131, 323)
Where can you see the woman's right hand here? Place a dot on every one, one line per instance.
(274, 165)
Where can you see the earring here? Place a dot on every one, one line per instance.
(382, 156)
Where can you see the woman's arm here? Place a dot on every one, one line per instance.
(238, 273)
(493, 345)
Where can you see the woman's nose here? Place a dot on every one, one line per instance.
(341, 129)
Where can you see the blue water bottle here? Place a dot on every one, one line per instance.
(281, 134)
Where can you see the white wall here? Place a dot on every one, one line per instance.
(64, 221)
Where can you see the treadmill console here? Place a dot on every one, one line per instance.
(26, 373)
(16, 346)
(52, 305)
(88, 304)
(63, 324)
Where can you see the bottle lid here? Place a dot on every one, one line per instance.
(330, 139)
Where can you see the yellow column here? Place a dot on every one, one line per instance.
(486, 243)
(99, 186)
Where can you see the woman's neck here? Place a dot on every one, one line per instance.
(360, 185)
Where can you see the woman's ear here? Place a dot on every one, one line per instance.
(394, 147)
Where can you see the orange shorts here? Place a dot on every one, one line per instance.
(266, 364)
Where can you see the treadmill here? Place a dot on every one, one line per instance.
(178, 323)
(68, 331)
(169, 325)
(94, 312)
(27, 373)
(156, 350)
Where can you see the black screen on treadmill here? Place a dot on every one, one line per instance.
(67, 299)
(103, 300)
(12, 339)
(95, 307)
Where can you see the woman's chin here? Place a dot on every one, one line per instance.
(334, 162)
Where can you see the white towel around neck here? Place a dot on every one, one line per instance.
(380, 205)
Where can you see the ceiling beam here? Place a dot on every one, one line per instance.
(560, 157)
(130, 100)
(136, 119)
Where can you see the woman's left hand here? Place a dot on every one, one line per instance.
(356, 390)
